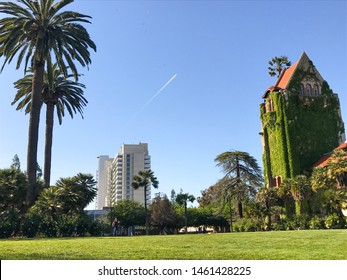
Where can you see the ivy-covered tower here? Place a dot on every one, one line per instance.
(301, 121)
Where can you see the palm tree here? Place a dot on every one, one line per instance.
(244, 174)
(57, 91)
(144, 179)
(182, 199)
(33, 32)
(79, 191)
(277, 64)
(299, 188)
(267, 195)
(331, 181)
(337, 168)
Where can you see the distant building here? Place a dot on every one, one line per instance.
(102, 177)
(301, 121)
(115, 175)
(96, 214)
(131, 159)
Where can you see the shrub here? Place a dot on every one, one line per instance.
(31, 225)
(333, 221)
(299, 222)
(246, 225)
(317, 223)
(281, 225)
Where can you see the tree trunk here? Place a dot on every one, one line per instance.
(48, 143)
(238, 176)
(33, 134)
(268, 216)
(239, 208)
(231, 217)
(145, 195)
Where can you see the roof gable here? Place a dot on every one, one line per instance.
(287, 74)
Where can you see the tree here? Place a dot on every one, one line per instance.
(57, 92)
(221, 197)
(61, 206)
(33, 32)
(337, 168)
(163, 215)
(129, 213)
(182, 199)
(145, 179)
(15, 162)
(13, 187)
(243, 174)
(299, 188)
(330, 182)
(79, 190)
(277, 64)
(268, 196)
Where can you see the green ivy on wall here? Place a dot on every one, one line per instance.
(300, 129)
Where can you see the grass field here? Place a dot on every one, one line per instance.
(286, 245)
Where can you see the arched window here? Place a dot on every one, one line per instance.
(315, 90)
(308, 89)
(269, 105)
(301, 90)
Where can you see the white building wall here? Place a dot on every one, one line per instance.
(131, 159)
(102, 178)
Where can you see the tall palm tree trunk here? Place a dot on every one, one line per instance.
(48, 143)
(33, 136)
(185, 216)
(145, 203)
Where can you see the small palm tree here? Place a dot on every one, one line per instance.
(337, 168)
(79, 191)
(33, 32)
(57, 92)
(145, 179)
(182, 199)
(267, 195)
(299, 188)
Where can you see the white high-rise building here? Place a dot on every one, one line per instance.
(115, 175)
(102, 177)
(131, 159)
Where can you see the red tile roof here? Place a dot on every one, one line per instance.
(283, 80)
(341, 147)
(323, 161)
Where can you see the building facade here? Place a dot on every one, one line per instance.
(102, 178)
(115, 175)
(300, 121)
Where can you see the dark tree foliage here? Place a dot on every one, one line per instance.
(277, 64)
(163, 215)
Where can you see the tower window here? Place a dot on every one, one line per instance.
(308, 89)
(301, 90)
(315, 90)
(269, 105)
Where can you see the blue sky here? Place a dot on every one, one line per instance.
(219, 51)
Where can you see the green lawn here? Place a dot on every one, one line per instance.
(286, 245)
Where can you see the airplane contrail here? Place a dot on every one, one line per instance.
(154, 96)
